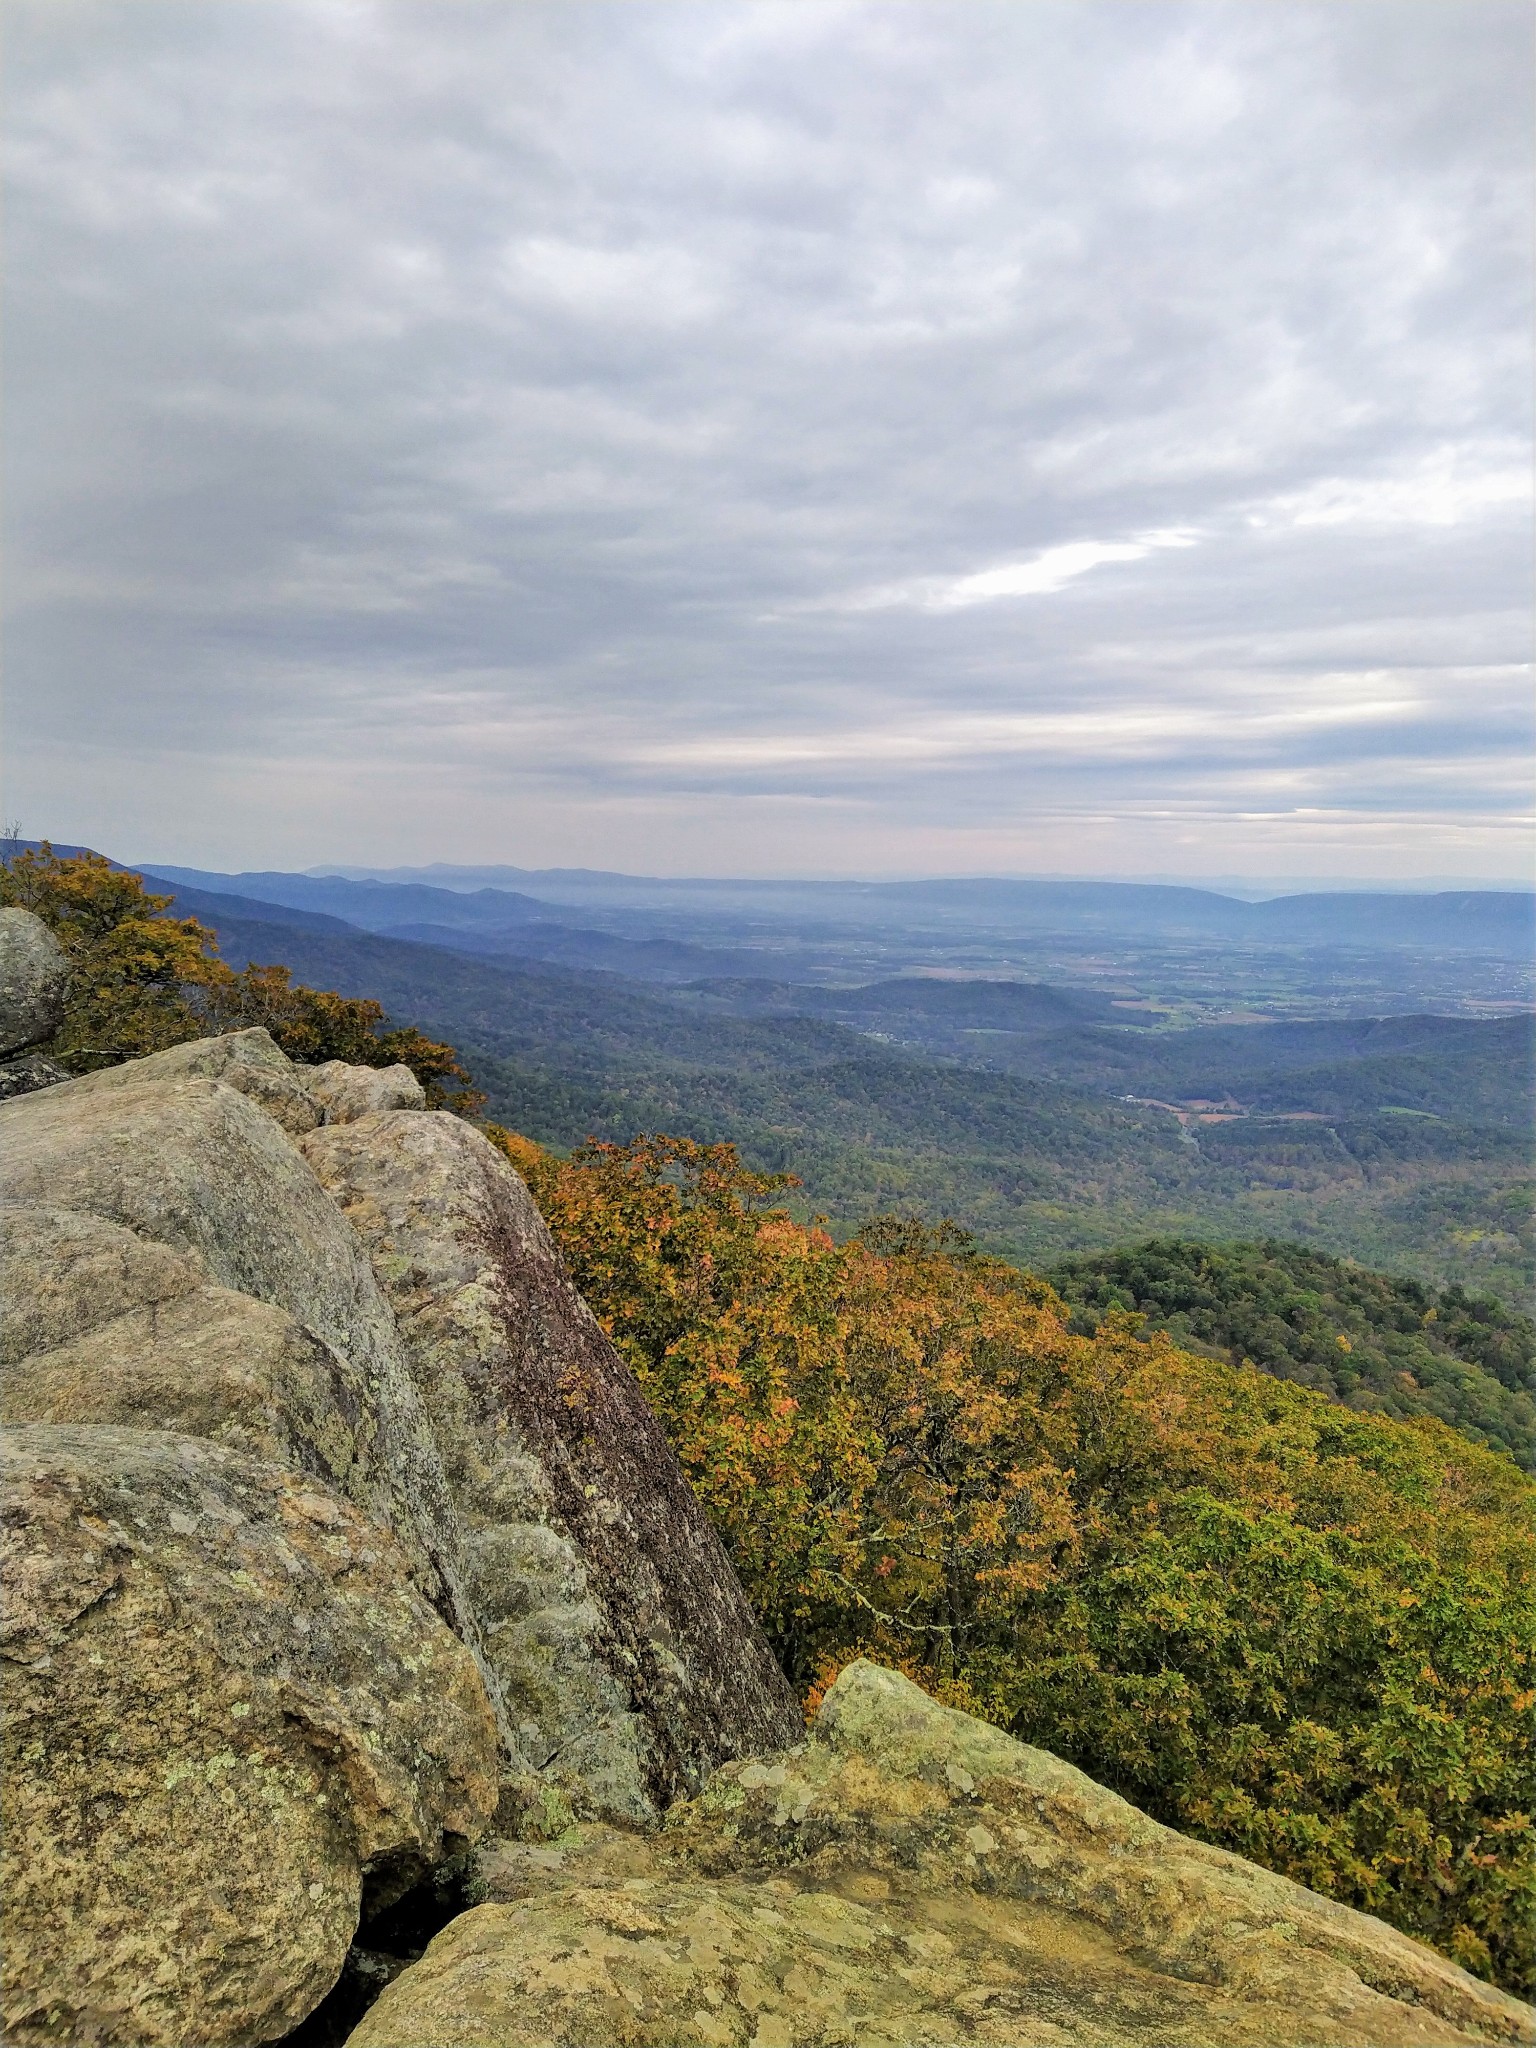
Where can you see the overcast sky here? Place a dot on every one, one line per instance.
(921, 437)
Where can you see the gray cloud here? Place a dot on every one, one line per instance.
(811, 437)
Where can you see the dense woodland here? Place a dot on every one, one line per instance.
(1383, 1345)
(1290, 1626)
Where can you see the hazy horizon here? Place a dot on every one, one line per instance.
(814, 437)
(1217, 884)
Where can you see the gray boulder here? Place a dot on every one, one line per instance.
(610, 1613)
(97, 1325)
(34, 975)
(229, 1713)
(22, 1076)
(376, 1302)
(344, 1093)
(194, 1165)
(247, 1061)
(64, 1273)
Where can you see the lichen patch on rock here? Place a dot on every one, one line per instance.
(911, 1876)
(223, 1714)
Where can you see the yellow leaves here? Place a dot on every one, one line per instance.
(522, 1153)
(779, 1234)
(879, 1404)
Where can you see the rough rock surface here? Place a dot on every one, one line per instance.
(247, 1061)
(912, 1876)
(345, 1093)
(34, 975)
(64, 1273)
(22, 1076)
(227, 1710)
(610, 1612)
(192, 1164)
(98, 1325)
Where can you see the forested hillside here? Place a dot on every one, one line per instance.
(1380, 1344)
(1302, 1632)
(1040, 1160)
(1477, 1072)
(1297, 1629)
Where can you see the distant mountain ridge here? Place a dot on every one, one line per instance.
(371, 906)
(1487, 921)
(1001, 1104)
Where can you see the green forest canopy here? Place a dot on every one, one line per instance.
(1395, 1347)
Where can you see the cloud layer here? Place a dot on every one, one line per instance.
(798, 438)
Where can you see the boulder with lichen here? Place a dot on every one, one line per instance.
(609, 1611)
(228, 1713)
(910, 1875)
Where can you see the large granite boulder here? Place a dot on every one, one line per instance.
(911, 1876)
(98, 1325)
(34, 975)
(228, 1712)
(344, 1093)
(34, 980)
(247, 1061)
(194, 1164)
(610, 1613)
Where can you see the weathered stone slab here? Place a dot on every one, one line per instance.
(65, 1272)
(344, 1093)
(97, 1325)
(911, 1876)
(247, 1061)
(196, 1166)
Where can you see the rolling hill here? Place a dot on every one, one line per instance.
(1040, 1156)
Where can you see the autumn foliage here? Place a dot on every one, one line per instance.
(1302, 1632)
(141, 981)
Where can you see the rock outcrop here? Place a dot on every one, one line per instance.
(336, 1527)
(226, 1705)
(195, 1351)
(192, 1163)
(345, 1093)
(911, 1876)
(609, 1609)
(34, 978)
(246, 1061)
(99, 1325)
